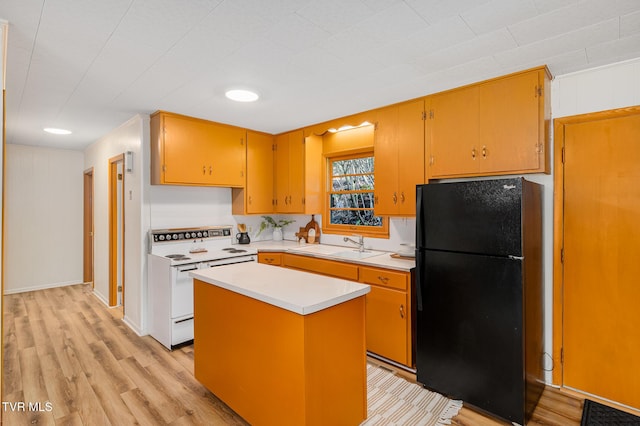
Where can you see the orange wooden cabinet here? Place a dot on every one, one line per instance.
(190, 151)
(348, 271)
(270, 258)
(258, 195)
(388, 314)
(275, 367)
(298, 173)
(495, 127)
(399, 158)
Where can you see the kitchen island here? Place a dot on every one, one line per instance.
(281, 347)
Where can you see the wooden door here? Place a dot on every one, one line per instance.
(259, 173)
(87, 274)
(452, 133)
(601, 232)
(509, 124)
(410, 166)
(386, 161)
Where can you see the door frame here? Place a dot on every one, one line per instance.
(114, 237)
(88, 227)
(558, 223)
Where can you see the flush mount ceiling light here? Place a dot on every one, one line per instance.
(55, 131)
(241, 95)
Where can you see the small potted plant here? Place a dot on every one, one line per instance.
(269, 222)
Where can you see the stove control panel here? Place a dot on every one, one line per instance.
(186, 234)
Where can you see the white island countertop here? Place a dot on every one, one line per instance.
(296, 291)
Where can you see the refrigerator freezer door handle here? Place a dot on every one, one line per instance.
(419, 267)
(516, 257)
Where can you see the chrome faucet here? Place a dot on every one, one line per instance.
(359, 243)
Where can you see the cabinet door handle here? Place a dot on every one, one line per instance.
(473, 153)
(401, 311)
(204, 170)
(210, 169)
(249, 199)
(285, 201)
(382, 279)
(484, 152)
(402, 197)
(395, 198)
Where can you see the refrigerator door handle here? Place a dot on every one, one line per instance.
(419, 267)
(516, 257)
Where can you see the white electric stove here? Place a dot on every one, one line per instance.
(173, 253)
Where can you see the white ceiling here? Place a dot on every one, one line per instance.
(90, 65)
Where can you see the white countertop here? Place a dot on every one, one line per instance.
(379, 259)
(296, 291)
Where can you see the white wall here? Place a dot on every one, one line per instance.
(131, 136)
(43, 190)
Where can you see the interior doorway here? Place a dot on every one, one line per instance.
(87, 233)
(596, 268)
(116, 231)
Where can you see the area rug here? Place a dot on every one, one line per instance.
(393, 400)
(596, 414)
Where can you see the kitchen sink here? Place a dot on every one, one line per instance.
(356, 254)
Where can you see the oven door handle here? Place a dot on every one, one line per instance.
(183, 320)
(187, 269)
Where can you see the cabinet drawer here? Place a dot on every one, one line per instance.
(384, 277)
(321, 266)
(270, 258)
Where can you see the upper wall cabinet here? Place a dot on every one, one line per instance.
(257, 197)
(298, 173)
(399, 157)
(496, 127)
(190, 151)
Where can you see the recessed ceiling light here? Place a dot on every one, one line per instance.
(55, 131)
(241, 95)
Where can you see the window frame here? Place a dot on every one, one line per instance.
(327, 226)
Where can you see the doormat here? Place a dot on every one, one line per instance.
(393, 400)
(596, 414)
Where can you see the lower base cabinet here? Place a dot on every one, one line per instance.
(388, 305)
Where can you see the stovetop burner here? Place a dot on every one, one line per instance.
(234, 250)
(177, 256)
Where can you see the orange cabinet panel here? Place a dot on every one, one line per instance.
(384, 277)
(344, 270)
(257, 197)
(190, 151)
(386, 324)
(495, 127)
(270, 258)
(399, 158)
(289, 173)
(275, 367)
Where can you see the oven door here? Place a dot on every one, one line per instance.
(182, 290)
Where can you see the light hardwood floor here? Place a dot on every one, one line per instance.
(65, 347)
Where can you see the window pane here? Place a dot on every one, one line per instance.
(355, 217)
(352, 201)
(352, 183)
(353, 166)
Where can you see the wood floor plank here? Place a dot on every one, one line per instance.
(58, 391)
(153, 389)
(198, 410)
(145, 413)
(114, 373)
(23, 333)
(14, 305)
(11, 377)
(34, 388)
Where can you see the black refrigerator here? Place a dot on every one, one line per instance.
(479, 293)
